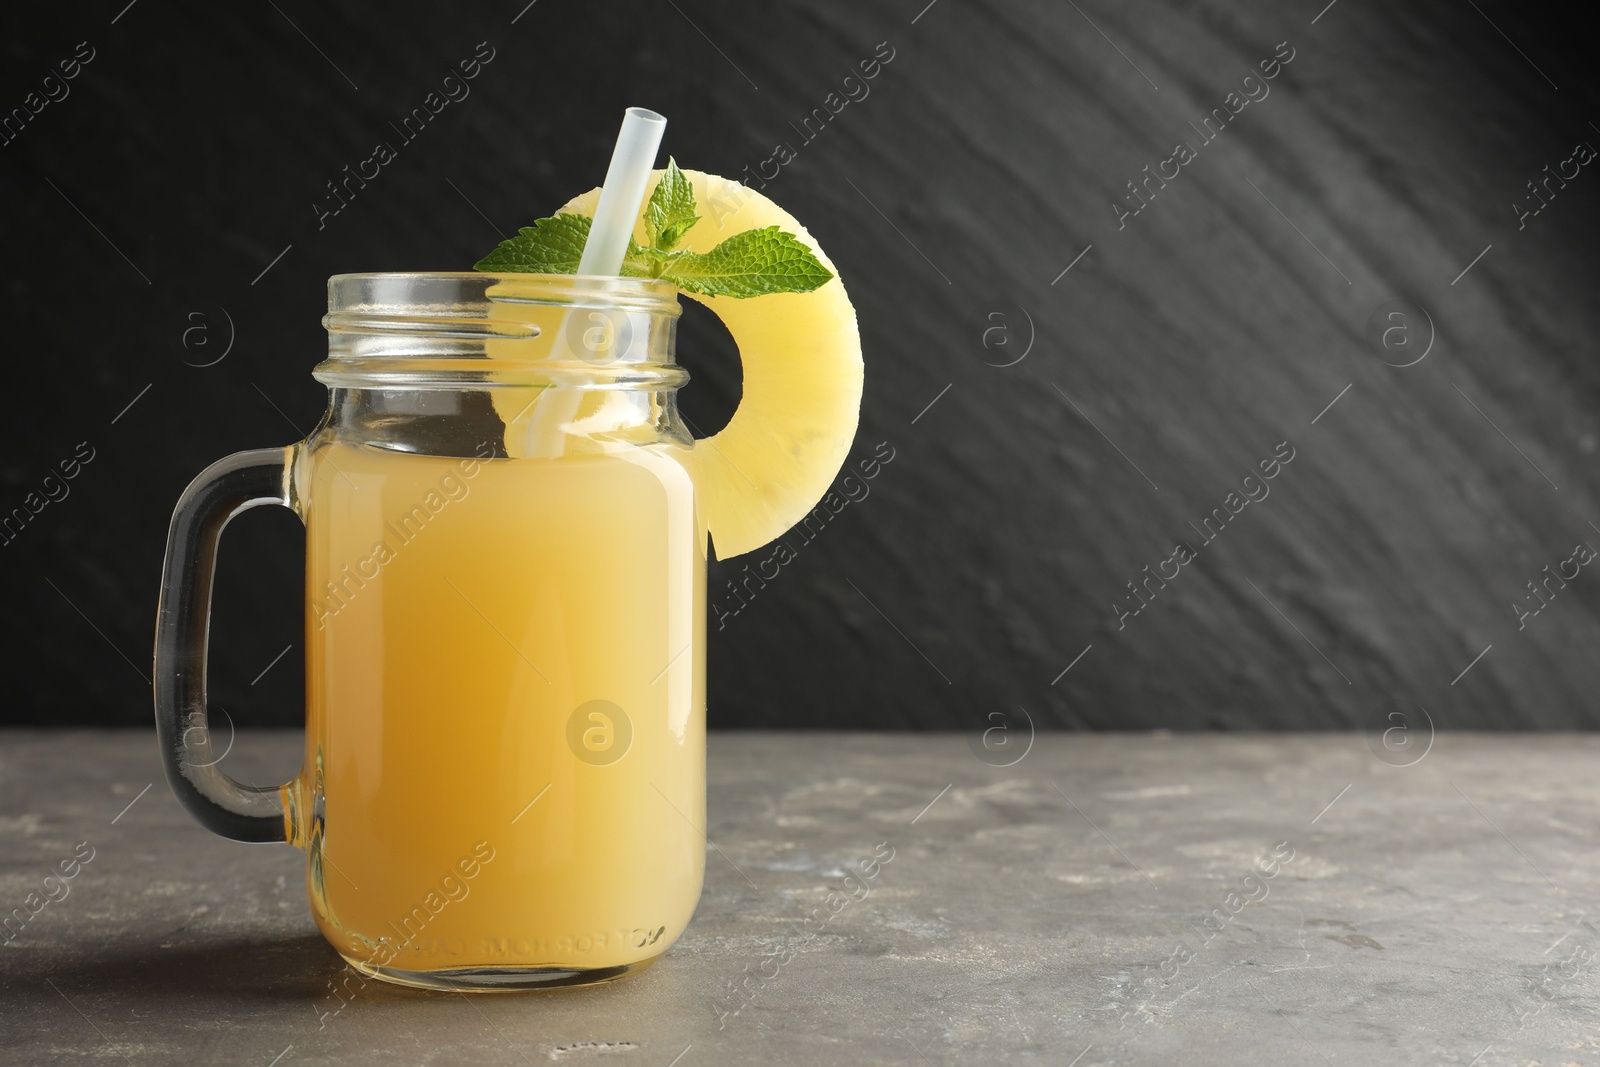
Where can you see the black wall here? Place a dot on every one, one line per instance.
(142, 212)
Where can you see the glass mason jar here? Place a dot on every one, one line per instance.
(504, 776)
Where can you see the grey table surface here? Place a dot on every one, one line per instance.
(1441, 912)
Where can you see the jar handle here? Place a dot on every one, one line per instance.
(183, 634)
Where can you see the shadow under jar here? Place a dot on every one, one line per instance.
(504, 777)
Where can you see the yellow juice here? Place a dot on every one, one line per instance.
(505, 707)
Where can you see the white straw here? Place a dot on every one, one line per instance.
(603, 253)
(623, 193)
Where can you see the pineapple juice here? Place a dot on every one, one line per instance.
(505, 707)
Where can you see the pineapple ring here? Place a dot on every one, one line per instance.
(801, 359)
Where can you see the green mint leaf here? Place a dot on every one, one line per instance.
(752, 263)
(549, 246)
(555, 246)
(674, 233)
(670, 212)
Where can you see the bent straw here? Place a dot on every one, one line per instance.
(620, 199)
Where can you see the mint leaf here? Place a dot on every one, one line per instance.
(549, 246)
(752, 263)
(555, 246)
(670, 212)
(674, 233)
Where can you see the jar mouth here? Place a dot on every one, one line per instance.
(471, 329)
(434, 293)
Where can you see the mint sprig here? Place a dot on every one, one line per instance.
(752, 263)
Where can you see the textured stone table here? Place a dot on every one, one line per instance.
(1439, 913)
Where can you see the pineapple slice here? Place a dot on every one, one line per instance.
(801, 359)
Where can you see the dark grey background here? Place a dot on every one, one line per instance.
(1174, 355)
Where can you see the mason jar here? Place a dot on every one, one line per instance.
(504, 774)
